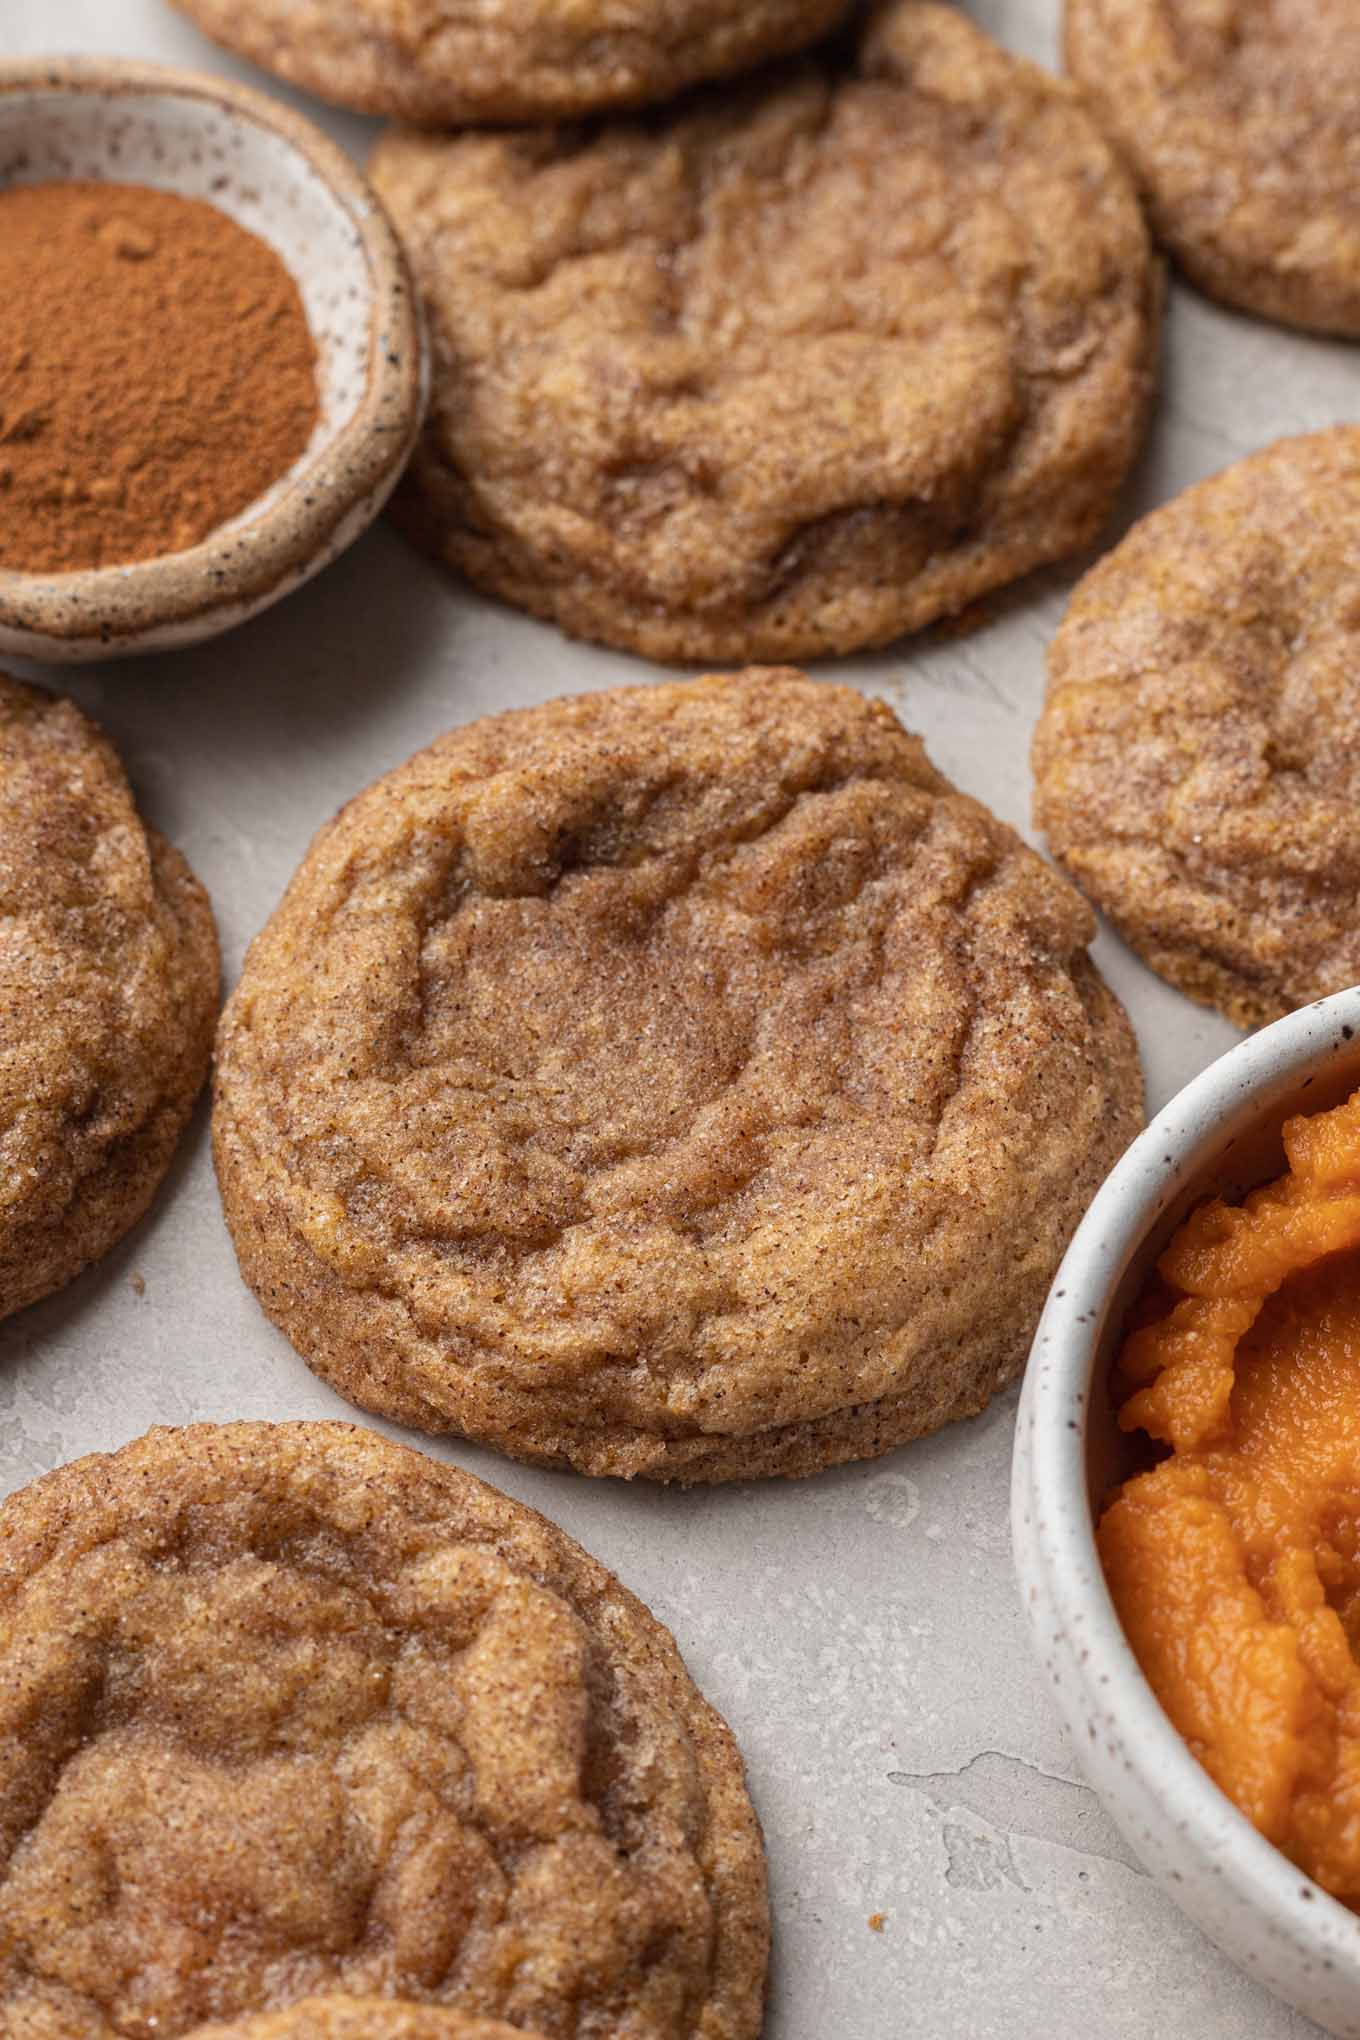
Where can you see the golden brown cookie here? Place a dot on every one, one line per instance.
(682, 1081)
(338, 2018)
(287, 1709)
(787, 370)
(1196, 764)
(108, 994)
(453, 64)
(1241, 120)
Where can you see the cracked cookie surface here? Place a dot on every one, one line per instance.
(108, 995)
(457, 62)
(782, 371)
(1241, 119)
(683, 1080)
(288, 1709)
(1196, 763)
(337, 2018)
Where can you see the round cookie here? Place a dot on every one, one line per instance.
(108, 995)
(681, 1081)
(338, 2018)
(289, 1709)
(784, 371)
(1196, 762)
(1241, 120)
(507, 60)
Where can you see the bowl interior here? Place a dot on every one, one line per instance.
(1231, 1159)
(204, 148)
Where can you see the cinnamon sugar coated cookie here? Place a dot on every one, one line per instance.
(289, 1709)
(337, 2018)
(681, 1081)
(784, 370)
(1241, 119)
(450, 62)
(108, 994)
(1197, 763)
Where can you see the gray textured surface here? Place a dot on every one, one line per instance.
(860, 1631)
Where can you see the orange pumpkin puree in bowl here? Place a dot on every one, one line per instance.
(1235, 1562)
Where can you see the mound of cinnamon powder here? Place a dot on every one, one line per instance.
(157, 373)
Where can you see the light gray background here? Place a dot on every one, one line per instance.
(860, 1631)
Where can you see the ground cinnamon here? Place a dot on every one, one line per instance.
(157, 373)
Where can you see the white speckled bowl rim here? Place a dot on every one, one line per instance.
(1247, 1896)
(329, 495)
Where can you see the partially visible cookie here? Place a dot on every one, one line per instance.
(786, 370)
(450, 64)
(683, 1081)
(287, 1710)
(1241, 119)
(338, 2018)
(108, 995)
(1197, 763)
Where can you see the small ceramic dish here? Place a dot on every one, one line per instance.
(1221, 1136)
(275, 174)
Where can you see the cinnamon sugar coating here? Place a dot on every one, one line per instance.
(1197, 763)
(785, 370)
(338, 2018)
(1241, 119)
(681, 1081)
(108, 996)
(289, 1709)
(457, 62)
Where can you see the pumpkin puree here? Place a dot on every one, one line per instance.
(1235, 1562)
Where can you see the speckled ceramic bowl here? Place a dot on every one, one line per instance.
(1221, 1135)
(280, 177)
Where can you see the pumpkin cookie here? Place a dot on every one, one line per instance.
(338, 2018)
(506, 60)
(1196, 761)
(681, 1081)
(1241, 119)
(108, 993)
(288, 1709)
(783, 371)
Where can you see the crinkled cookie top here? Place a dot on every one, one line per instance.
(1197, 763)
(782, 370)
(663, 1067)
(108, 986)
(1242, 121)
(450, 62)
(338, 2018)
(288, 1709)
